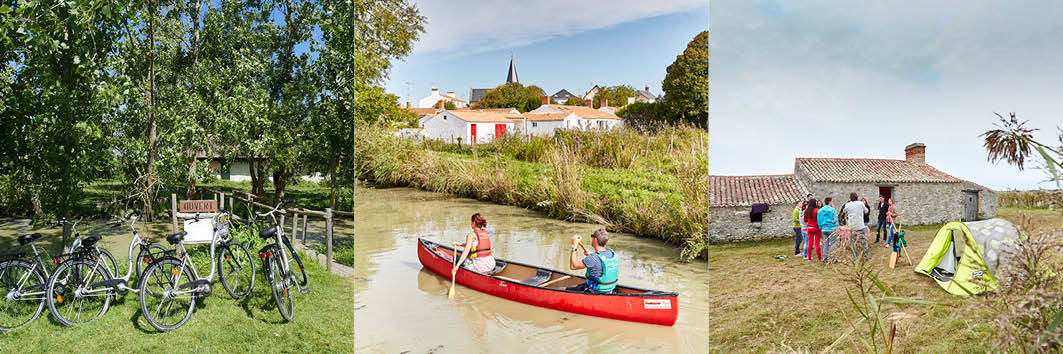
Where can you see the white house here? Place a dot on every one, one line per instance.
(471, 125)
(550, 117)
(435, 97)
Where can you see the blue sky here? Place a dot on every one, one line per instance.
(829, 79)
(556, 45)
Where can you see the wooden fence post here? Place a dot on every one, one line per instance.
(304, 228)
(328, 237)
(173, 210)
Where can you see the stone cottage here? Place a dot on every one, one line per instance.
(925, 194)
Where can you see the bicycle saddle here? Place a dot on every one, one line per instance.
(24, 239)
(90, 241)
(267, 233)
(175, 238)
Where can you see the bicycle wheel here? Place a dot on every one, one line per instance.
(145, 257)
(236, 269)
(278, 286)
(72, 297)
(298, 272)
(160, 304)
(21, 293)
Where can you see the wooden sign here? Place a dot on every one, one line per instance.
(198, 206)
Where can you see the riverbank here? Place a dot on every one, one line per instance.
(761, 303)
(648, 184)
(391, 283)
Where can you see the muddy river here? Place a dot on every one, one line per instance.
(400, 307)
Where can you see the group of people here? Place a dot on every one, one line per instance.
(816, 226)
(602, 266)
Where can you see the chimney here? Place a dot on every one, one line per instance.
(441, 104)
(545, 99)
(647, 89)
(605, 102)
(435, 91)
(450, 93)
(407, 104)
(915, 152)
(588, 102)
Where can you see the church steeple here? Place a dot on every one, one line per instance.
(512, 76)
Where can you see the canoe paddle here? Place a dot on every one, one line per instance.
(585, 252)
(453, 274)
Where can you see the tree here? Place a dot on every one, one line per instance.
(615, 95)
(686, 86)
(446, 104)
(643, 115)
(514, 95)
(574, 101)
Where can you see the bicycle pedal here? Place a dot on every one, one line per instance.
(304, 291)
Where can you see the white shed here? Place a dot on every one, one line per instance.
(471, 126)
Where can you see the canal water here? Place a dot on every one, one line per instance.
(401, 307)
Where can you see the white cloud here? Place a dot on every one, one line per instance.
(472, 26)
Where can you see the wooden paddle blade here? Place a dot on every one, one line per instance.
(893, 259)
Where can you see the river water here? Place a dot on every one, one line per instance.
(400, 307)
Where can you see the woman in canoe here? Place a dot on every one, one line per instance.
(603, 266)
(477, 248)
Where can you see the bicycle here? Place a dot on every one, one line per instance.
(83, 282)
(22, 285)
(277, 265)
(164, 280)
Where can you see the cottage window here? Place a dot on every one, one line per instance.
(535, 124)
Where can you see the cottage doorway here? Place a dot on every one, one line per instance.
(885, 192)
(500, 130)
(472, 128)
(970, 206)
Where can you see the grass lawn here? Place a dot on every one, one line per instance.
(324, 322)
(759, 303)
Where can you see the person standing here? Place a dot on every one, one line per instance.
(891, 216)
(813, 229)
(827, 219)
(858, 213)
(798, 239)
(883, 210)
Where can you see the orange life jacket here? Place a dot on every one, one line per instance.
(483, 244)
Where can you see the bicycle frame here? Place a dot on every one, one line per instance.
(278, 239)
(217, 238)
(135, 243)
(26, 277)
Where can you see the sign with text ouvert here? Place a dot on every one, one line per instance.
(198, 206)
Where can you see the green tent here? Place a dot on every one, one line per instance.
(965, 255)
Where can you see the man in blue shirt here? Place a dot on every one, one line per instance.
(827, 218)
(602, 266)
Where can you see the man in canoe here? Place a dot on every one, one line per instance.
(603, 266)
(477, 248)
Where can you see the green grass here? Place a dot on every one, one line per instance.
(760, 303)
(323, 323)
(648, 184)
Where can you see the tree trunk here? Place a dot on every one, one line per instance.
(280, 182)
(147, 195)
(194, 16)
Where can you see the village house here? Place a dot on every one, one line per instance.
(925, 194)
(471, 126)
(549, 117)
(643, 96)
(561, 96)
(433, 99)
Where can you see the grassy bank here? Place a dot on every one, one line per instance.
(760, 303)
(649, 184)
(323, 323)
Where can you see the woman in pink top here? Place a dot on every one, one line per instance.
(814, 233)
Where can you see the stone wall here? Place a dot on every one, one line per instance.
(732, 224)
(922, 203)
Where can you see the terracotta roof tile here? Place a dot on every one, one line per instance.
(422, 111)
(872, 170)
(545, 116)
(485, 116)
(452, 98)
(584, 111)
(732, 191)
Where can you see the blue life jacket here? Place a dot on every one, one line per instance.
(610, 274)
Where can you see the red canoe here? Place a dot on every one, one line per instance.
(523, 283)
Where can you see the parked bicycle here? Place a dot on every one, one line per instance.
(108, 259)
(82, 287)
(171, 285)
(22, 285)
(278, 265)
